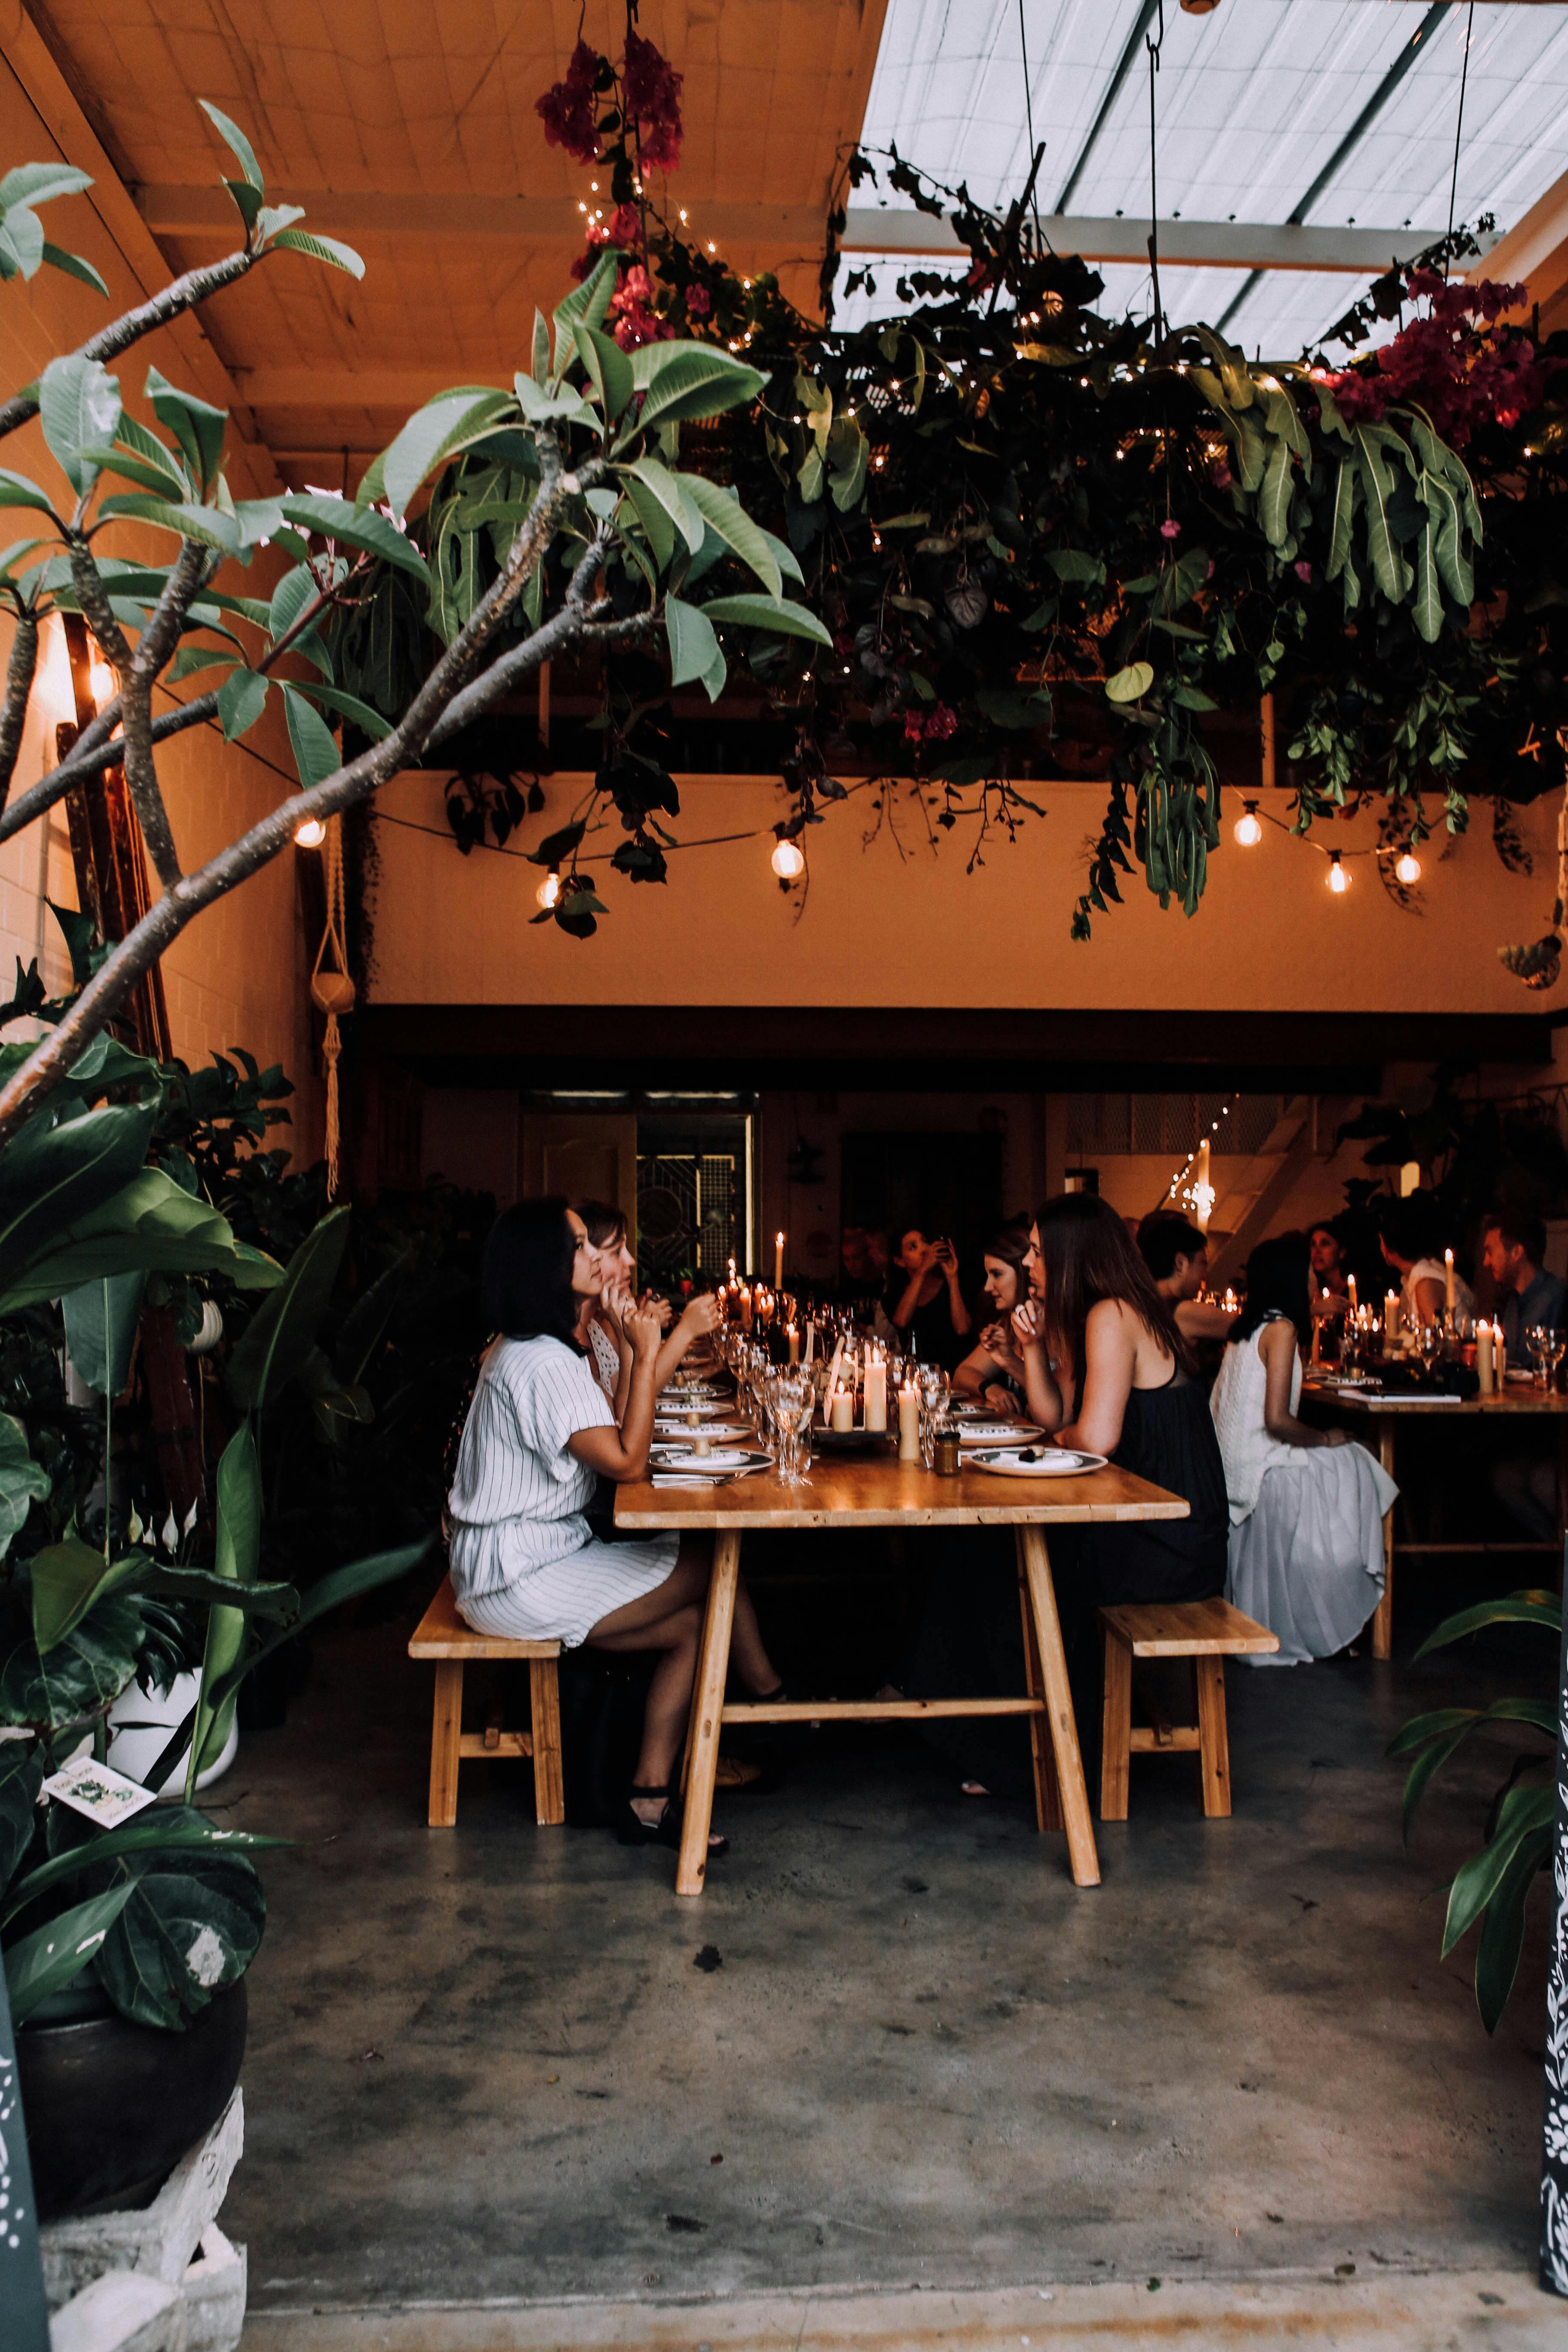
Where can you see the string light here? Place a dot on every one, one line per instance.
(1339, 880)
(1407, 868)
(788, 861)
(309, 832)
(548, 890)
(1248, 828)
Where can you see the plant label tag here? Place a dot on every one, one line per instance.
(104, 1796)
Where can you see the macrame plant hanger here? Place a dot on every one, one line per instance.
(332, 989)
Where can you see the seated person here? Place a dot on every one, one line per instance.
(1525, 1482)
(994, 1369)
(923, 1302)
(1305, 1551)
(539, 1433)
(1411, 1233)
(1177, 1255)
(1329, 1270)
(608, 1336)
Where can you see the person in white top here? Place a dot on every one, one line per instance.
(1411, 1235)
(540, 1435)
(1305, 1552)
(612, 1356)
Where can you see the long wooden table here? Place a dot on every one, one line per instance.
(1384, 1414)
(880, 1492)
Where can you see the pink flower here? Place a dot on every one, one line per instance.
(566, 110)
(699, 301)
(652, 90)
(1303, 572)
(1170, 527)
(1219, 473)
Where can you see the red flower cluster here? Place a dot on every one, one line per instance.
(633, 321)
(652, 92)
(567, 109)
(1463, 372)
(623, 230)
(933, 729)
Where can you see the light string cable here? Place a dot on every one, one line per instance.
(1154, 48)
(1029, 120)
(1459, 125)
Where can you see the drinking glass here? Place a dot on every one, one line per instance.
(1538, 1339)
(1553, 1343)
(795, 1399)
(935, 1390)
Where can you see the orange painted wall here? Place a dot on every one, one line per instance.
(886, 925)
(237, 975)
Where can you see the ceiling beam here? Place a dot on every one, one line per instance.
(169, 211)
(1535, 249)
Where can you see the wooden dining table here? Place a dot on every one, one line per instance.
(1381, 1415)
(878, 1491)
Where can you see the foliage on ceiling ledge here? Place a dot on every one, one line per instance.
(1028, 529)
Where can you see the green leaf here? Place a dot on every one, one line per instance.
(281, 1333)
(21, 244)
(693, 644)
(185, 1832)
(768, 612)
(608, 368)
(46, 1960)
(432, 434)
(658, 525)
(237, 1556)
(17, 490)
(1522, 1815)
(589, 301)
(1274, 500)
(238, 145)
(318, 249)
(339, 519)
(205, 525)
(1502, 1930)
(101, 1319)
(541, 347)
(316, 755)
(22, 1484)
(1071, 563)
(1344, 520)
(1528, 1607)
(847, 459)
(1389, 567)
(22, 1771)
(725, 516)
(1128, 684)
(186, 1931)
(349, 706)
(38, 183)
(1441, 1746)
(670, 491)
(693, 380)
(241, 699)
(78, 408)
(71, 264)
(1426, 605)
(197, 426)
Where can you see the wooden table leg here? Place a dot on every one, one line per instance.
(544, 1712)
(1382, 1621)
(1048, 1796)
(446, 1732)
(1081, 1856)
(712, 1668)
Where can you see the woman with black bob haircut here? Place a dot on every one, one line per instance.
(1108, 1370)
(1305, 1547)
(540, 1435)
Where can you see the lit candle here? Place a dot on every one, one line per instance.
(1351, 1286)
(1499, 1353)
(1449, 1280)
(745, 1309)
(811, 1339)
(841, 1409)
(1484, 1357)
(908, 1423)
(794, 1345)
(778, 1261)
(877, 1394)
(1390, 1317)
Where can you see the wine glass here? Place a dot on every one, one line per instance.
(1538, 1339)
(793, 1402)
(1553, 1344)
(935, 1391)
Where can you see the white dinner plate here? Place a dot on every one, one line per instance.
(672, 1433)
(967, 1409)
(721, 1457)
(1049, 1461)
(1001, 1432)
(679, 1409)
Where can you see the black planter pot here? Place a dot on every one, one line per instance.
(111, 2107)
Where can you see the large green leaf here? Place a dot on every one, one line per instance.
(316, 754)
(283, 1330)
(168, 1831)
(608, 369)
(694, 380)
(100, 1320)
(1527, 1608)
(1426, 604)
(182, 1935)
(692, 643)
(241, 699)
(1389, 567)
(67, 1577)
(21, 1779)
(46, 1961)
(1501, 1939)
(78, 408)
(768, 612)
(22, 1481)
(197, 426)
(77, 1676)
(348, 706)
(149, 1223)
(38, 183)
(235, 140)
(727, 517)
(53, 1175)
(589, 302)
(1274, 498)
(236, 1557)
(433, 434)
(1344, 520)
(1522, 1815)
(206, 525)
(670, 491)
(339, 519)
(329, 249)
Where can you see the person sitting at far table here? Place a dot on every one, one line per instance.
(924, 1301)
(1511, 1251)
(1328, 1263)
(1412, 1243)
(1177, 1254)
(994, 1369)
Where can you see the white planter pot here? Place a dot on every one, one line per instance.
(135, 1753)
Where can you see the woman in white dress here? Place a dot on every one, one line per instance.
(1411, 1235)
(540, 1435)
(1306, 1505)
(612, 1351)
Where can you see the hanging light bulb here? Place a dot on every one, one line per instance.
(1248, 826)
(1407, 868)
(788, 862)
(102, 682)
(309, 832)
(548, 890)
(1339, 880)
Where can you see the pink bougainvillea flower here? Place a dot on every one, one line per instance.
(1219, 473)
(1453, 359)
(1303, 572)
(567, 110)
(699, 301)
(1170, 527)
(652, 89)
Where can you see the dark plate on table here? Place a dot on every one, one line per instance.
(852, 1441)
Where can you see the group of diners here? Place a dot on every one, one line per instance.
(1093, 1335)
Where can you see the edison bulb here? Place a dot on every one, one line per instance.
(548, 890)
(100, 680)
(1339, 880)
(1248, 827)
(788, 861)
(310, 833)
(1407, 868)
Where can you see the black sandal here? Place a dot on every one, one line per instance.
(632, 1830)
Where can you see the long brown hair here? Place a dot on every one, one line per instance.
(1088, 1255)
(606, 1224)
(1011, 1247)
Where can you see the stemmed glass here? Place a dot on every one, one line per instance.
(1538, 1339)
(793, 1402)
(935, 1391)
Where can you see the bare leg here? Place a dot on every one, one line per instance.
(669, 1621)
(751, 1660)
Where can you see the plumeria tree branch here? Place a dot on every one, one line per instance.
(183, 294)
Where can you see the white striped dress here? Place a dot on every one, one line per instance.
(524, 1563)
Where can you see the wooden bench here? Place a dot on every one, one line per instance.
(1207, 1631)
(443, 1636)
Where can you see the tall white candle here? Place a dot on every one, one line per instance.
(794, 1345)
(1351, 1285)
(778, 1261)
(811, 1339)
(1484, 1357)
(841, 1409)
(909, 1424)
(1449, 1280)
(877, 1394)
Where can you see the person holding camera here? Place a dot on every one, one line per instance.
(924, 1303)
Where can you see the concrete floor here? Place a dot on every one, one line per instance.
(500, 2064)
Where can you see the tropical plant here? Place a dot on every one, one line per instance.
(1493, 1886)
(592, 534)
